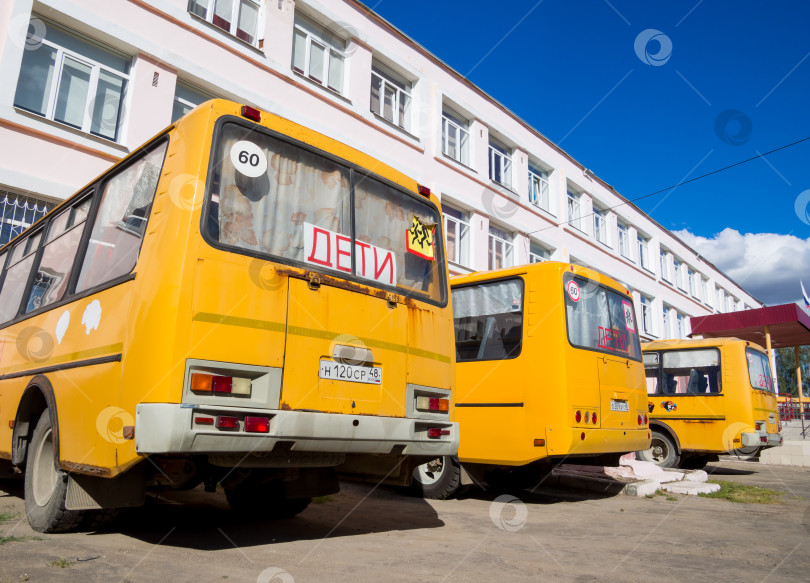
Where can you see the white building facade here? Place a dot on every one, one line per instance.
(85, 82)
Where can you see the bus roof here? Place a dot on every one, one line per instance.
(587, 272)
(696, 343)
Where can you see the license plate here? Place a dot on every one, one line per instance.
(622, 406)
(336, 371)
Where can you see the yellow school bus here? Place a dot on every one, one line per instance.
(548, 368)
(708, 397)
(241, 301)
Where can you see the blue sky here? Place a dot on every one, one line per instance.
(571, 70)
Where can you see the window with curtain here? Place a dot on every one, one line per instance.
(318, 54)
(455, 137)
(75, 81)
(296, 205)
(239, 18)
(500, 164)
(539, 188)
(575, 210)
(501, 248)
(457, 234)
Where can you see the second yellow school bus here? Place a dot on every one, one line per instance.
(548, 368)
(241, 301)
(708, 397)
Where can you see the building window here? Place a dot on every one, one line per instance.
(693, 283)
(644, 253)
(318, 54)
(500, 249)
(539, 189)
(391, 96)
(624, 239)
(187, 98)
(680, 325)
(74, 81)
(600, 226)
(665, 266)
(17, 213)
(455, 138)
(538, 254)
(239, 18)
(680, 275)
(575, 210)
(667, 321)
(647, 319)
(457, 234)
(721, 300)
(500, 164)
(707, 296)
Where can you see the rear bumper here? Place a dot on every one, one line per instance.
(601, 441)
(170, 428)
(755, 439)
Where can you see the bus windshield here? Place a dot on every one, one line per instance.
(759, 370)
(272, 197)
(600, 319)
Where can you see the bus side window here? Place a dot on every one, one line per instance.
(15, 276)
(652, 380)
(120, 224)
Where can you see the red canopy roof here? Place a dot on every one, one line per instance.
(789, 324)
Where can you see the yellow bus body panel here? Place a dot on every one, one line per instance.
(547, 383)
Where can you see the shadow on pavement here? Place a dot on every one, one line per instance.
(726, 471)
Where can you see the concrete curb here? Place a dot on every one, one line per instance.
(633, 478)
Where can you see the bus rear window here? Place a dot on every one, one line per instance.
(759, 370)
(600, 319)
(489, 320)
(268, 196)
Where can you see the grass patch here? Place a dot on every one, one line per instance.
(14, 539)
(61, 563)
(6, 516)
(744, 494)
(322, 499)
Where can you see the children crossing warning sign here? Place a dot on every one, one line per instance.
(420, 240)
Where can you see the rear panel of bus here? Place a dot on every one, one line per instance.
(520, 381)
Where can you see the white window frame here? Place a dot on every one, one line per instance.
(665, 275)
(400, 87)
(647, 315)
(574, 203)
(624, 240)
(539, 189)
(536, 257)
(600, 226)
(462, 230)
(707, 295)
(507, 250)
(667, 321)
(644, 253)
(92, 85)
(680, 279)
(693, 287)
(500, 153)
(680, 322)
(311, 36)
(236, 12)
(451, 123)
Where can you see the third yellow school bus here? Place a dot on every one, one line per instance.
(707, 397)
(241, 301)
(548, 368)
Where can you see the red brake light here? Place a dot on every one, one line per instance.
(224, 422)
(645, 420)
(204, 420)
(434, 432)
(423, 190)
(578, 417)
(593, 418)
(257, 424)
(251, 113)
(640, 420)
(223, 384)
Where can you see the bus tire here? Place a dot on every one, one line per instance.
(663, 452)
(46, 486)
(264, 500)
(437, 479)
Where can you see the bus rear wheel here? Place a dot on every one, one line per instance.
(46, 486)
(437, 479)
(663, 452)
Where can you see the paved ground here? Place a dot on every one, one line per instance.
(363, 535)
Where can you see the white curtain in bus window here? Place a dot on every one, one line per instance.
(759, 370)
(691, 372)
(61, 244)
(16, 276)
(270, 213)
(651, 369)
(115, 240)
(488, 320)
(383, 217)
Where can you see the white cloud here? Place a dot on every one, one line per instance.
(766, 265)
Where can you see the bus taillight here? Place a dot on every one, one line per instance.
(593, 418)
(432, 404)
(257, 424)
(218, 384)
(226, 422)
(251, 113)
(578, 417)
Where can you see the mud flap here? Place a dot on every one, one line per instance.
(94, 493)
